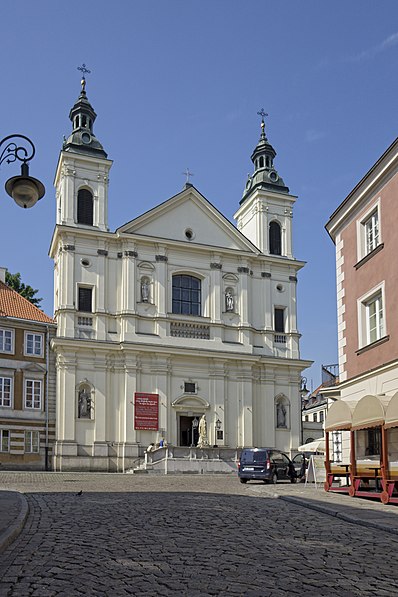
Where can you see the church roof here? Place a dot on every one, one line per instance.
(14, 305)
(265, 175)
(189, 216)
(82, 115)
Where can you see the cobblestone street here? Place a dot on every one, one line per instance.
(185, 535)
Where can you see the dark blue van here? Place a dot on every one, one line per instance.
(265, 464)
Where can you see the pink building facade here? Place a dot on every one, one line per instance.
(364, 230)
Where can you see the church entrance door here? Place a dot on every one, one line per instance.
(189, 434)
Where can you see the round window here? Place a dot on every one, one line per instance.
(189, 235)
(85, 262)
(280, 288)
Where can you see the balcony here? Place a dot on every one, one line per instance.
(84, 328)
(280, 339)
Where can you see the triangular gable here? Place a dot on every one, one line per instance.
(189, 210)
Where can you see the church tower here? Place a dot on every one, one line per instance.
(81, 179)
(265, 213)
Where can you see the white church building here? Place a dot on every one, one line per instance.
(174, 315)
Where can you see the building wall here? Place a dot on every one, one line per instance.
(16, 419)
(358, 277)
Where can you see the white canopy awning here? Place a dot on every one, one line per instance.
(339, 415)
(392, 412)
(318, 445)
(370, 411)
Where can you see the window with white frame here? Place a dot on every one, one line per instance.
(368, 231)
(6, 340)
(33, 344)
(32, 442)
(374, 318)
(5, 391)
(371, 318)
(371, 229)
(33, 393)
(4, 440)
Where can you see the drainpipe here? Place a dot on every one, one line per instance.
(46, 449)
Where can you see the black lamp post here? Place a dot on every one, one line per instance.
(24, 189)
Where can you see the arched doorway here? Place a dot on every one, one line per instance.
(188, 410)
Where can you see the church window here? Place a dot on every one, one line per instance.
(84, 121)
(275, 238)
(186, 293)
(261, 162)
(85, 207)
(279, 320)
(268, 162)
(85, 304)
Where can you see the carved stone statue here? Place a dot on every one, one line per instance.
(281, 415)
(84, 405)
(203, 441)
(229, 301)
(145, 291)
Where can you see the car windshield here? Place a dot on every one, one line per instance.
(250, 456)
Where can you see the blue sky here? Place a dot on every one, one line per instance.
(178, 83)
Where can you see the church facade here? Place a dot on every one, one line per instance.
(175, 315)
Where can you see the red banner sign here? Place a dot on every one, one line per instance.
(146, 411)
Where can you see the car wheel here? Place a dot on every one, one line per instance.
(243, 480)
(274, 479)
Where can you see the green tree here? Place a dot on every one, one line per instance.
(14, 281)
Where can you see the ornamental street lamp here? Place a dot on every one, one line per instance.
(303, 387)
(24, 189)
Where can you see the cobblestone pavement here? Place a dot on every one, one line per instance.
(185, 535)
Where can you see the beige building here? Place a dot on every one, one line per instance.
(175, 315)
(27, 383)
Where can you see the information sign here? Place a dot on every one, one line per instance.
(146, 411)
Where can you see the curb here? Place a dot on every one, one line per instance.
(12, 532)
(337, 514)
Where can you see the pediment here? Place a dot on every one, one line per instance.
(189, 218)
(34, 368)
(190, 403)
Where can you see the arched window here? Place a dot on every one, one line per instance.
(85, 207)
(275, 240)
(261, 162)
(186, 292)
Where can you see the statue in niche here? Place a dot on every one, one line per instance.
(203, 441)
(281, 415)
(84, 405)
(145, 290)
(229, 301)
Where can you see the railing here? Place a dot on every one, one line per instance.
(330, 374)
(180, 329)
(280, 338)
(85, 321)
(84, 327)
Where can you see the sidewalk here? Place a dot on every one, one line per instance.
(13, 512)
(370, 513)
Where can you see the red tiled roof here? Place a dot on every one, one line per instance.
(13, 304)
